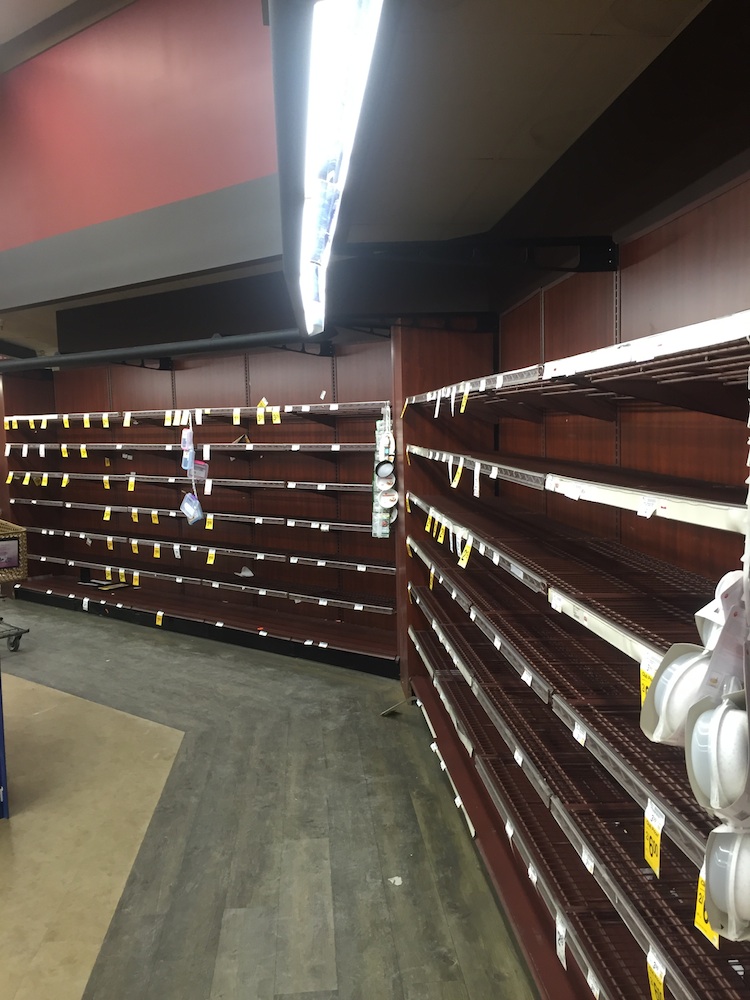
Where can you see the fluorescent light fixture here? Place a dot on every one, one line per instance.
(343, 39)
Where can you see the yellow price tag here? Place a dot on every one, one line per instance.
(403, 408)
(87, 420)
(134, 546)
(43, 424)
(457, 474)
(64, 450)
(263, 402)
(9, 478)
(209, 522)
(260, 415)
(653, 824)
(466, 553)
(441, 536)
(167, 418)
(84, 451)
(107, 514)
(408, 504)
(236, 416)
(428, 522)
(435, 524)
(6, 424)
(701, 916)
(66, 420)
(107, 463)
(27, 479)
(157, 550)
(105, 420)
(276, 415)
(136, 578)
(108, 572)
(32, 425)
(211, 557)
(432, 576)
(131, 484)
(110, 542)
(464, 400)
(15, 424)
(45, 478)
(154, 516)
(65, 479)
(123, 578)
(159, 617)
(127, 418)
(105, 481)
(134, 514)
(408, 549)
(657, 970)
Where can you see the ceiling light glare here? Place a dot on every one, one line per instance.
(342, 44)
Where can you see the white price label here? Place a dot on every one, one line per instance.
(561, 931)
(588, 860)
(509, 830)
(518, 757)
(579, 734)
(526, 677)
(531, 872)
(647, 506)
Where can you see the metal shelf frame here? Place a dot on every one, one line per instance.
(647, 500)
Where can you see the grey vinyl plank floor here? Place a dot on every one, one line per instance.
(304, 848)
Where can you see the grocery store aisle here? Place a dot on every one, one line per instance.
(302, 846)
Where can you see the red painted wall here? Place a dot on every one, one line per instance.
(165, 100)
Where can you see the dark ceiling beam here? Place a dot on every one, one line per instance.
(171, 349)
(55, 29)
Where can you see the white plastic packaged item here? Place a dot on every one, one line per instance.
(187, 439)
(191, 508)
(200, 471)
(728, 882)
(188, 459)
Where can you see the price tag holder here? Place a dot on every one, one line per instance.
(649, 666)
(588, 860)
(647, 506)
(653, 824)
(593, 984)
(701, 916)
(657, 970)
(561, 931)
(579, 734)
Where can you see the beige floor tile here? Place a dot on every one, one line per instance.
(84, 782)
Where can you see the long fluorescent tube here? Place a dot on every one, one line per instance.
(342, 44)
